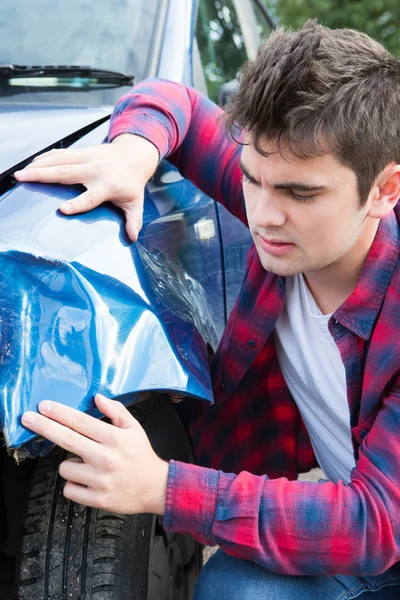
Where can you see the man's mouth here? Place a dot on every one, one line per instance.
(275, 246)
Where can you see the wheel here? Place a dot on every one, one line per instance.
(71, 552)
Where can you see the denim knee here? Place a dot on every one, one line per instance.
(227, 578)
(224, 577)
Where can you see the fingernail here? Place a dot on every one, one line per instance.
(28, 418)
(45, 406)
(65, 207)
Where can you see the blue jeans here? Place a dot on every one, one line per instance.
(227, 578)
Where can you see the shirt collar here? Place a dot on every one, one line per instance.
(359, 311)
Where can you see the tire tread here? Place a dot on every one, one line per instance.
(71, 552)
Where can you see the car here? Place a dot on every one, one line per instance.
(84, 310)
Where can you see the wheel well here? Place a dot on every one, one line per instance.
(165, 430)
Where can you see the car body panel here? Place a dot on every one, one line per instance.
(176, 52)
(27, 130)
(235, 243)
(83, 310)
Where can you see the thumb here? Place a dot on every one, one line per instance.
(117, 413)
(134, 218)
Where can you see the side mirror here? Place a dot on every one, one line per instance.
(227, 90)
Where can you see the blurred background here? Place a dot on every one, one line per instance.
(379, 18)
(229, 31)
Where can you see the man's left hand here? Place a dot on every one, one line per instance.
(116, 470)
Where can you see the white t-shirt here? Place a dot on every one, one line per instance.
(314, 372)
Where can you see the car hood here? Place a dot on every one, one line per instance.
(28, 130)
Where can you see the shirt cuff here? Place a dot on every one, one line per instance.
(191, 500)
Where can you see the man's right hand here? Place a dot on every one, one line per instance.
(116, 172)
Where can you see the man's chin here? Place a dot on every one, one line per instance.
(281, 267)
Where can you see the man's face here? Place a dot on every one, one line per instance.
(303, 215)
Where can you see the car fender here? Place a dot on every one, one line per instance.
(83, 310)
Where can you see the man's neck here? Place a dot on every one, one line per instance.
(331, 285)
(327, 295)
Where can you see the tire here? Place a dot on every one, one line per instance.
(71, 552)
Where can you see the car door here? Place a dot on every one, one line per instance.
(228, 33)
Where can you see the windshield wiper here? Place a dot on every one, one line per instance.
(9, 71)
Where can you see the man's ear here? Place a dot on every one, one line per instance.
(385, 192)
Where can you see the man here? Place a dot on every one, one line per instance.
(309, 362)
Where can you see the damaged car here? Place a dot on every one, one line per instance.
(82, 309)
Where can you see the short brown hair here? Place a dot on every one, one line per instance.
(321, 91)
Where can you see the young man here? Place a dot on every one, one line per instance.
(309, 363)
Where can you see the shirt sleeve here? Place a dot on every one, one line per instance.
(185, 126)
(296, 527)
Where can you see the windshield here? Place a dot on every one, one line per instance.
(109, 34)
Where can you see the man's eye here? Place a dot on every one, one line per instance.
(300, 198)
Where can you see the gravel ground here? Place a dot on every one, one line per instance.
(313, 475)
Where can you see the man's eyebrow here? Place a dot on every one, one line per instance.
(300, 187)
(286, 185)
(246, 173)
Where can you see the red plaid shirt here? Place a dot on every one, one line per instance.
(254, 427)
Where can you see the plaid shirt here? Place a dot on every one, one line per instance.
(254, 427)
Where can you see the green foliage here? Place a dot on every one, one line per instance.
(378, 18)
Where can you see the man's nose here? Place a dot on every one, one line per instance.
(268, 211)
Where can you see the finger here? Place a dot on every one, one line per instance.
(59, 157)
(66, 174)
(82, 495)
(85, 202)
(62, 436)
(78, 421)
(78, 472)
(134, 218)
(120, 417)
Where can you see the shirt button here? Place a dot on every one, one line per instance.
(251, 343)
